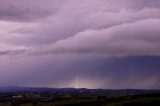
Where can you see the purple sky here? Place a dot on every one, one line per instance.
(94, 43)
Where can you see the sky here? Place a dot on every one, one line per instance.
(110, 44)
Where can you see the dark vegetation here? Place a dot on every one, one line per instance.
(81, 97)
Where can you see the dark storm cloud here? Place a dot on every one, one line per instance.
(96, 43)
(12, 52)
(13, 12)
(115, 37)
(61, 19)
(137, 38)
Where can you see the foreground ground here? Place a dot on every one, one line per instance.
(77, 99)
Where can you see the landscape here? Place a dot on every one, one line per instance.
(79, 52)
(26, 96)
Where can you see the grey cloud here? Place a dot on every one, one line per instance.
(14, 11)
(63, 22)
(138, 38)
(12, 52)
(67, 41)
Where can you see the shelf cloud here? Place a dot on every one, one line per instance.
(58, 42)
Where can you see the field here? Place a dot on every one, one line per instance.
(77, 99)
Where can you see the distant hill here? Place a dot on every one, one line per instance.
(101, 92)
(9, 89)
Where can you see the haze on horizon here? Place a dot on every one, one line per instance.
(111, 44)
